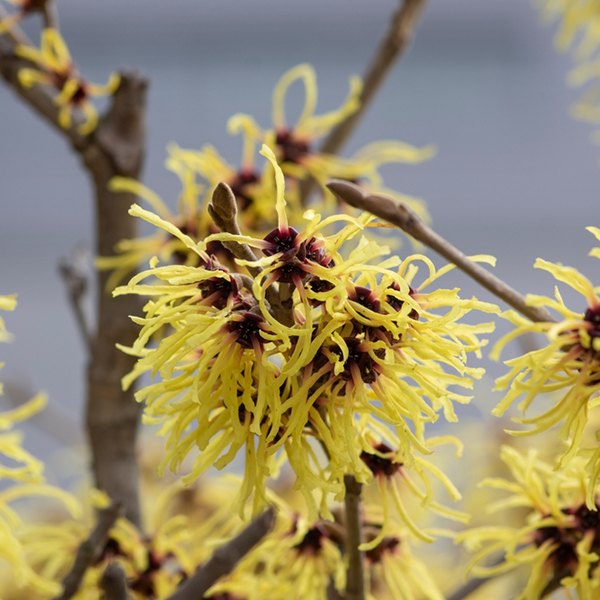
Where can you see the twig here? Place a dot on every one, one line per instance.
(225, 558)
(113, 583)
(391, 48)
(48, 8)
(89, 551)
(223, 211)
(468, 588)
(76, 284)
(401, 216)
(355, 585)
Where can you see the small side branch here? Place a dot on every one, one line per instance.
(355, 584)
(401, 216)
(89, 551)
(76, 284)
(113, 583)
(392, 46)
(225, 558)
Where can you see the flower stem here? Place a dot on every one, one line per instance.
(355, 584)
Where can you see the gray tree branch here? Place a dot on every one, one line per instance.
(401, 216)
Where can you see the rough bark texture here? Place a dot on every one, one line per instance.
(112, 415)
(115, 148)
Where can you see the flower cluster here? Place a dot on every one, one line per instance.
(321, 345)
(52, 65)
(561, 539)
(569, 365)
(201, 170)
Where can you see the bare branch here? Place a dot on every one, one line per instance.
(113, 583)
(76, 284)
(225, 558)
(112, 414)
(392, 46)
(89, 551)
(355, 584)
(401, 216)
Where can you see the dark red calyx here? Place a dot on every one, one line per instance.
(387, 544)
(313, 539)
(365, 297)
(291, 148)
(379, 465)
(359, 356)
(396, 303)
(247, 329)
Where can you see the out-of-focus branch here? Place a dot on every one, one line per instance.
(89, 551)
(355, 582)
(392, 46)
(225, 559)
(400, 215)
(76, 284)
(113, 583)
(113, 415)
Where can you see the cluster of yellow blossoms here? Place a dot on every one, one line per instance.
(201, 170)
(354, 358)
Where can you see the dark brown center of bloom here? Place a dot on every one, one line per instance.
(359, 357)
(295, 254)
(379, 465)
(396, 303)
(219, 290)
(312, 540)
(592, 315)
(387, 544)
(564, 556)
(365, 297)
(247, 329)
(292, 149)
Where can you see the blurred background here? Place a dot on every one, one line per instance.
(514, 175)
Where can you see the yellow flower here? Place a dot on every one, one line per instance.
(26, 470)
(294, 145)
(53, 66)
(190, 217)
(561, 537)
(356, 344)
(568, 365)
